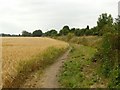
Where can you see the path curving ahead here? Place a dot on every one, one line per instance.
(49, 77)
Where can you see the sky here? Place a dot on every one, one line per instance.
(30, 15)
(119, 8)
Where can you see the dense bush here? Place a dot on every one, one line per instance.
(108, 56)
(37, 33)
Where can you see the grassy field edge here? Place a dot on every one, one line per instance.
(79, 71)
(40, 62)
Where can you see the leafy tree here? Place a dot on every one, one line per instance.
(3, 35)
(72, 30)
(37, 33)
(110, 49)
(87, 31)
(65, 30)
(25, 33)
(77, 32)
(103, 21)
(94, 30)
(115, 42)
(51, 33)
(87, 27)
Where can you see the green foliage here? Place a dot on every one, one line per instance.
(85, 31)
(89, 32)
(65, 30)
(104, 20)
(115, 77)
(87, 27)
(115, 72)
(25, 33)
(72, 30)
(94, 30)
(79, 32)
(37, 33)
(51, 33)
(92, 41)
(109, 52)
(72, 74)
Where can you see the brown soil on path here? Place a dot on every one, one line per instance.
(49, 77)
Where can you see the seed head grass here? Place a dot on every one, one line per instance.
(21, 53)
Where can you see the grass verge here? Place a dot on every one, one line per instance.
(79, 71)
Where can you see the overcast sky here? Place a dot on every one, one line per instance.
(18, 15)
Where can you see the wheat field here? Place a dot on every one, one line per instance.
(0, 63)
(15, 50)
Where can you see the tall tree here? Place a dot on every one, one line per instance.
(104, 21)
(37, 33)
(65, 30)
(86, 31)
(26, 33)
(72, 30)
(78, 32)
(51, 33)
(87, 27)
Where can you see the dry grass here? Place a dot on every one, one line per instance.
(15, 50)
(92, 41)
(0, 63)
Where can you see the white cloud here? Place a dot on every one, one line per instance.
(18, 15)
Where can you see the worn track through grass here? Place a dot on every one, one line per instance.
(49, 77)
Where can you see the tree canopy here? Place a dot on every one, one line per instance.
(26, 33)
(51, 33)
(103, 22)
(37, 33)
(65, 30)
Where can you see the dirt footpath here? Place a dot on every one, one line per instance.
(49, 77)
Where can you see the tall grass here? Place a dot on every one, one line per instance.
(40, 62)
(73, 73)
(0, 63)
(22, 56)
(79, 71)
(107, 57)
(92, 41)
(109, 62)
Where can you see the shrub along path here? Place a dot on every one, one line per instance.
(48, 78)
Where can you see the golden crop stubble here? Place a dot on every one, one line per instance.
(18, 49)
(0, 63)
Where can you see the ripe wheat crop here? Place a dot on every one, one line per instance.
(16, 50)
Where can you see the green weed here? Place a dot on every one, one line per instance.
(72, 73)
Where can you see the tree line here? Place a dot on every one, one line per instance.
(104, 23)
